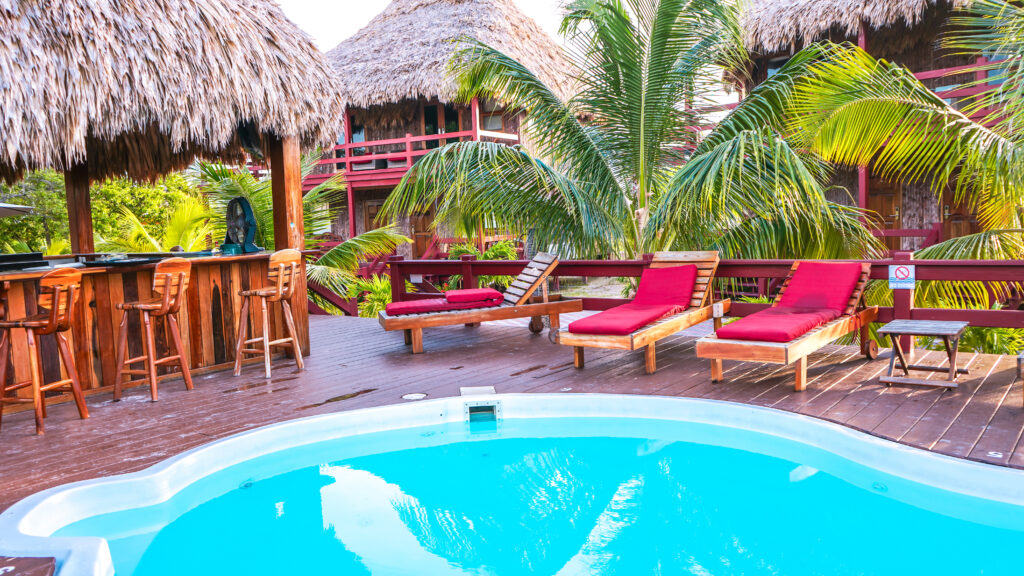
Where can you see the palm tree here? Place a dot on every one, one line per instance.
(336, 269)
(602, 174)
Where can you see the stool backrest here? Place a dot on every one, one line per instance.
(284, 268)
(170, 279)
(57, 293)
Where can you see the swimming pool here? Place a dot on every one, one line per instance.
(554, 484)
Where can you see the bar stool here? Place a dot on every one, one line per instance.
(57, 292)
(170, 279)
(284, 267)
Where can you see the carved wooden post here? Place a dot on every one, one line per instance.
(469, 279)
(76, 186)
(289, 232)
(397, 278)
(903, 305)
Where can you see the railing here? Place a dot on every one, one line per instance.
(768, 274)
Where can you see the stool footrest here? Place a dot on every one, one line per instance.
(15, 400)
(134, 372)
(166, 360)
(55, 385)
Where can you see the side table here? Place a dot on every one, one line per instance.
(949, 332)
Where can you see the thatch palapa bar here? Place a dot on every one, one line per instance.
(98, 88)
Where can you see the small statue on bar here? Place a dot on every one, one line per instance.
(241, 228)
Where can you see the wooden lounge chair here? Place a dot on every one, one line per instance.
(646, 337)
(853, 318)
(517, 303)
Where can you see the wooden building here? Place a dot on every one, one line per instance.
(401, 98)
(905, 32)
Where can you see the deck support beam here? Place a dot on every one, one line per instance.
(289, 232)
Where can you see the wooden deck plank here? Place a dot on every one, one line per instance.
(356, 364)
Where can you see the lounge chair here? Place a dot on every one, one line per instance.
(474, 306)
(818, 303)
(675, 293)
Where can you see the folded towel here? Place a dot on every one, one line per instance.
(472, 295)
(435, 305)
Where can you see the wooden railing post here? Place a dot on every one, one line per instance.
(397, 278)
(903, 305)
(408, 151)
(469, 279)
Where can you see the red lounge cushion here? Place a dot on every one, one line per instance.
(820, 285)
(622, 319)
(472, 295)
(777, 324)
(434, 305)
(672, 286)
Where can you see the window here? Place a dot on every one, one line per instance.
(451, 119)
(492, 122)
(430, 125)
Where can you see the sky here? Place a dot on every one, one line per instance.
(331, 21)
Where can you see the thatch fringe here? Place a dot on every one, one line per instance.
(142, 88)
(404, 51)
(771, 26)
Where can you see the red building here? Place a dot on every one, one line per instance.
(393, 76)
(905, 32)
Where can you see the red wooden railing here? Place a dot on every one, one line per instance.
(767, 274)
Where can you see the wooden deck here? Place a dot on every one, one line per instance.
(356, 364)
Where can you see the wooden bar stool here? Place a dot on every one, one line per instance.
(284, 266)
(170, 279)
(57, 292)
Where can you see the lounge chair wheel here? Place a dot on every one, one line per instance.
(553, 335)
(537, 324)
(872, 350)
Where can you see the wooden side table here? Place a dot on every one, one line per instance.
(949, 332)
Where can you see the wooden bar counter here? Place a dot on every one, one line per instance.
(208, 319)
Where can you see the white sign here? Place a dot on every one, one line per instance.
(901, 277)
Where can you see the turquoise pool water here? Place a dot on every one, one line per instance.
(560, 496)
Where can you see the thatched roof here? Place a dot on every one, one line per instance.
(142, 88)
(775, 25)
(404, 51)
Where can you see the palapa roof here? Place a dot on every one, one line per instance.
(403, 53)
(142, 88)
(774, 25)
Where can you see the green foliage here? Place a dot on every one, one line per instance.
(223, 183)
(611, 184)
(188, 227)
(46, 229)
(502, 250)
(374, 294)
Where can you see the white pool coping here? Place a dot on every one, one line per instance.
(25, 527)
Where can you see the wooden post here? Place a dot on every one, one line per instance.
(397, 279)
(408, 151)
(862, 171)
(474, 111)
(289, 232)
(903, 304)
(351, 200)
(468, 276)
(76, 186)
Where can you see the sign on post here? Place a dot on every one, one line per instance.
(901, 277)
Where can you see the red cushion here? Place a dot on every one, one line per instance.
(434, 305)
(777, 324)
(672, 286)
(822, 285)
(622, 319)
(471, 295)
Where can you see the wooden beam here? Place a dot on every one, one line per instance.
(286, 189)
(76, 186)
